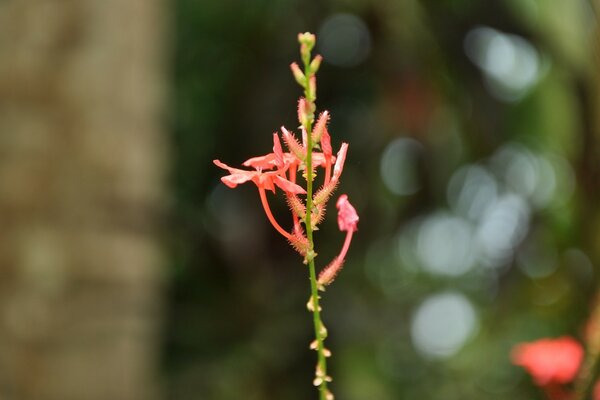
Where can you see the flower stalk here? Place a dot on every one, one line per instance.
(278, 171)
(321, 377)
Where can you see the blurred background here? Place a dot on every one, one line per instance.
(474, 132)
(473, 163)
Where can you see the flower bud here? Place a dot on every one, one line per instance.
(303, 112)
(293, 145)
(300, 243)
(315, 64)
(329, 273)
(308, 39)
(307, 42)
(312, 88)
(298, 74)
(320, 126)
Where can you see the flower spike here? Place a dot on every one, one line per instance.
(279, 170)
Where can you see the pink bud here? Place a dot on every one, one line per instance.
(302, 112)
(312, 88)
(347, 216)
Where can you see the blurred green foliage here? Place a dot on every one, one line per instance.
(505, 88)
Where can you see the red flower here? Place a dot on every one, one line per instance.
(549, 360)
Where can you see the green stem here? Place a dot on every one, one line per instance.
(320, 331)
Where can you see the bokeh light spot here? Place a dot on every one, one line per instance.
(502, 228)
(445, 245)
(442, 324)
(399, 166)
(344, 40)
(510, 63)
(471, 190)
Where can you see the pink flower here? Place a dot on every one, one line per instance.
(549, 361)
(347, 217)
(347, 221)
(263, 180)
(266, 180)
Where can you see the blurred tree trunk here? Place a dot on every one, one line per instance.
(81, 184)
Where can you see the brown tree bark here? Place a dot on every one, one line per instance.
(82, 159)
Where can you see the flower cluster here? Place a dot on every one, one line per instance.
(280, 170)
(310, 156)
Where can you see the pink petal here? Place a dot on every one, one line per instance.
(319, 159)
(339, 163)
(225, 166)
(235, 179)
(261, 162)
(326, 143)
(277, 151)
(265, 181)
(237, 176)
(288, 186)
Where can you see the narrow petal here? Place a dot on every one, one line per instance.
(277, 151)
(339, 163)
(235, 179)
(227, 167)
(261, 162)
(288, 186)
(237, 176)
(326, 143)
